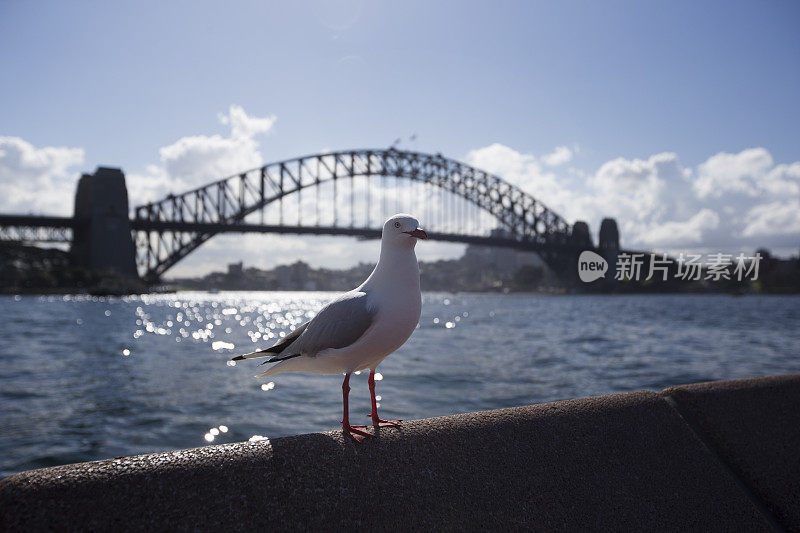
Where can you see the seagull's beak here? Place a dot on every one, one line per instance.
(419, 233)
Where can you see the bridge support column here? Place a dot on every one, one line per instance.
(103, 241)
(609, 248)
(580, 239)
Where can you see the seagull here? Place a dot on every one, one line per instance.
(360, 328)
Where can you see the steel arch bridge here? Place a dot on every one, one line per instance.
(450, 195)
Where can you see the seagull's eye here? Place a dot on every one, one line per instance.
(396, 224)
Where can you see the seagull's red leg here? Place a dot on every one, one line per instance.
(375, 419)
(356, 434)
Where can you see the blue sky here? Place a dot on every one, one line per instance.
(615, 83)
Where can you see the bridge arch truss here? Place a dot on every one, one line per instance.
(168, 230)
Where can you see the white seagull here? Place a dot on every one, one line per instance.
(360, 328)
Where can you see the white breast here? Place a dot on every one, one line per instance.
(393, 294)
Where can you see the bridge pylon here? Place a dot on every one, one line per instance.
(102, 238)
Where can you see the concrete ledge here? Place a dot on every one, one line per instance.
(754, 426)
(621, 461)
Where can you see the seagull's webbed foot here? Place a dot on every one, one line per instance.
(355, 433)
(381, 423)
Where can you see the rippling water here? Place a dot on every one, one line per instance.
(86, 378)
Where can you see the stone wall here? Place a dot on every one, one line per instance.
(711, 456)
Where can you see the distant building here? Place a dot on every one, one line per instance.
(235, 270)
(283, 276)
(299, 275)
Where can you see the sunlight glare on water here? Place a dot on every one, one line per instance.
(85, 377)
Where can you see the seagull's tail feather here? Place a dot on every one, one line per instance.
(275, 369)
(280, 358)
(304, 363)
(252, 355)
(276, 348)
(286, 364)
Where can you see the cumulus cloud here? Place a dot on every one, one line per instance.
(783, 180)
(682, 233)
(733, 202)
(523, 170)
(37, 179)
(196, 160)
(634, 185)
(559, 156)
(733, 173)
(781, 217)
(243, 125)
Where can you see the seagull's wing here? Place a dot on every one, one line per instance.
(276, 348)
(339, 324)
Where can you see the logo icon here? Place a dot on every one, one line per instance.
(591, 266)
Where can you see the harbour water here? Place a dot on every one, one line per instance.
(85, 378)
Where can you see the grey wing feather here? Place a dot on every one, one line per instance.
(340, 323)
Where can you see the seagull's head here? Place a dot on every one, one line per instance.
(403, 230)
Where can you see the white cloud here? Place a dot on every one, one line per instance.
(632, 186)
(243, 125)
(783, 180)
(631, 190)
(559, 156)
(781, 217)
(199, 159)
(682, 233)
(729, 202)
(37, 179)
(733, 173)
(196, 160)
(524, 170)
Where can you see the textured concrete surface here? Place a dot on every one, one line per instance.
(754, 426)
(626, 461)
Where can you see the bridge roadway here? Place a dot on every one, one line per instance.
(216, 228)
(38, 221)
